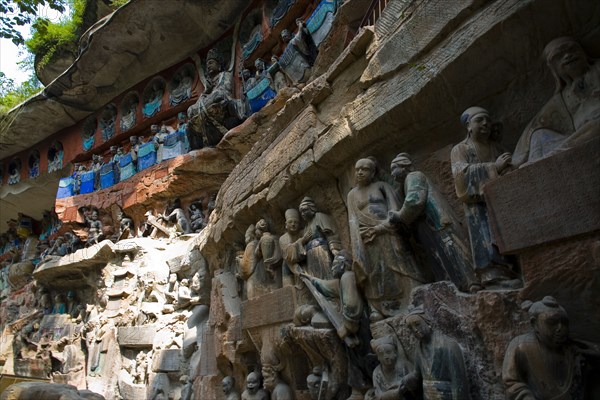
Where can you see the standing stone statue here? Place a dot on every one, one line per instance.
(439, 363)
(321, 240)
(543, 364)
(572, 115)
(291, 246)
(228, 384)
(95, 233)
(389, 374)
(126, 229)
(475, 161)
(437, 227)
(253, 390)
(383, 262)
(268, 253)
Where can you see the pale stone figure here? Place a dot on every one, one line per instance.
(253, 390)
(439, 363)
(572, 116)
(383, 262)
(389, 374)
(95, 233)
(268, 252)
(543, 364)
(321, 240)
(248, 271)
(291, 246)
(437, 228)
(187, 390)
(228, 384)
(174, 214)
(475, 161)
(274, 384)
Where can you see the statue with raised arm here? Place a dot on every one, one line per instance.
(216, 111)
(572, 115)
(544, 364)
(384, 265)
(475, 161)
(437, 228)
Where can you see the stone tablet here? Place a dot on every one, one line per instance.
(136, 336)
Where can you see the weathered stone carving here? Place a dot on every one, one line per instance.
(388, 376)
(228, 384)
(291, 246)
(34, 164)
(268, 252)
(384, 264)
(477, 160)
(216, 111)
(14, 171)
(95, 234)
(107, 122)
(300, 54)
(439, 363)
(55, 157)
(253, 390)
(543, 364)
(126, 228)
(572, 115)
(175, 215)
(437, 228)
(197, 222)
(181, 85)
(128, 112)
(277, 387)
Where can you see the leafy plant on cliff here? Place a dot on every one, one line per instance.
(12, 94)
(15, 13)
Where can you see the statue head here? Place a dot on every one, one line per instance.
(419, 324)
(567, 60)
(478, 123)
(292, 220)
(385, 348)
(181, 117)
(261, 227)
(401, 166)
(550, 322)
(307, 208)
(364, 171)
(70, 295)
(228, 384)
(113, 150)
(154, 129)
(274, 59)
(313, 382)
(342, 262)
(252, 382)
(214, 62)
(133, 140)
(286, 36)
(260, 65)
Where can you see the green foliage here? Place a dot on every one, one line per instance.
(50, 38)
(14, 13)
(11, 94)
(118, 3)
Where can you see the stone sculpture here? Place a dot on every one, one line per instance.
(321, 240)
(134, 144)
(215, 112)
(268, 252)
(253, 390)
(153, 99)
(572, 115)
(475, 161)
(228, 384)
(95, 234)
(300, 53)
(128, 117)
(34, 164)
(383, 262)
(175, 215)
(159, 139)
(197, 222)
(187, 389)
(107, 122)
(437, 228)
(278, 389)
(543, 364)
(291, 246)
(439, 363)
(181, 87)
(388, 376)
(126, 229)
(344, 289)
(278, 79)
(14, 172)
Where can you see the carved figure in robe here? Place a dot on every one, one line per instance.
(572, 115)
(187, 387)
(60, 304)
(383, 262)
(216, 111)
(302, 42)
(268, 253)
(279, 79)
(73, 242)
(544, 364)
(439, 363)
(388, 376)
(253, 276)
(292, 248)
(153, 100)
(128, 118)
(344, 289)
(321, 240)
(278, 388)
(126, 229)
(72, 305)
(159, 140)
(141, 368)
(228, 384)
(253, 390)
(97, 164)
(475, 161)
(134, 143)
(437, 228)
(182, 88)
(174, 214)
(95, 233)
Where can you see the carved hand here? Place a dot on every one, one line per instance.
(503, 162)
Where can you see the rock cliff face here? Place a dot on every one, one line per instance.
(171, 317)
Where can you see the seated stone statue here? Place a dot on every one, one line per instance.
(278, 388)
(216, 111)
(389, 374)
(572, 116)
(253, 390)
(175, 215)
(197, 222)
(439, 363)
(543, 364)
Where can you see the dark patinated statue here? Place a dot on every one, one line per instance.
(388, 376)
(475, 161)
(383, 262)
(253, 390)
